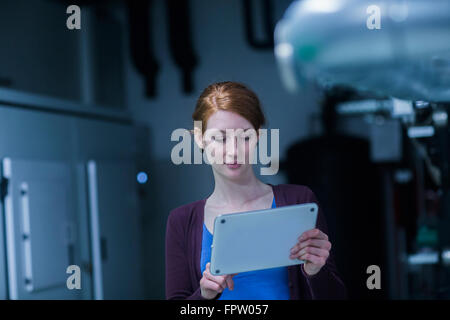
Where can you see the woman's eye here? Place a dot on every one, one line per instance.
(224, 139)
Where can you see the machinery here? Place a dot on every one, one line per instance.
(397, 55)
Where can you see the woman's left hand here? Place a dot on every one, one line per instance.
(313, 247)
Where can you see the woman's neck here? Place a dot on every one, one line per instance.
(237, 192)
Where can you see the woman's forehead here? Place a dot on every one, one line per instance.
(222, 120)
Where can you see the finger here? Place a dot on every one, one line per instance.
(219, 279)
(230, 282)
(318, 243)
(313, 233)
(312, 250)
(320, 261)
(211, 285)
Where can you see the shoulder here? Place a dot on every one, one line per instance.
(184, 212)
(297, 189)
(296, 192)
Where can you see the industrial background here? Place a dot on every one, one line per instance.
(86, 117)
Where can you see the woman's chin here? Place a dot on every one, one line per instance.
(232, 171)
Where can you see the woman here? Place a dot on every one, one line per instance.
(231, 105)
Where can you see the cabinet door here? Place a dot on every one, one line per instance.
(38, 211)
(115, 230)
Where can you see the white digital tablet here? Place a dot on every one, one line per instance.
(260, 239)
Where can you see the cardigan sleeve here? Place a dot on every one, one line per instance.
(327, 283)
(178, 276)
(178, 282)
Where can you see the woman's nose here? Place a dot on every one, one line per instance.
(235, 148)
(231, 148)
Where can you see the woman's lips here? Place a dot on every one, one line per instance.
(233, 165)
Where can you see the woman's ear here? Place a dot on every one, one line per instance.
(198, 137)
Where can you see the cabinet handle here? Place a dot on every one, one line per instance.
(26, 235)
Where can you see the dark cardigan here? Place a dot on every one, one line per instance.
(184, 243)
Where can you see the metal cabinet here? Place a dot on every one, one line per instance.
(70, 198)
(116, 230)
(38, 215)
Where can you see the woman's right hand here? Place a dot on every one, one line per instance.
(211, 285)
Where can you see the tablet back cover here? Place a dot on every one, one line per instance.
(260, 239)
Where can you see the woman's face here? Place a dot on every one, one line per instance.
(230, 140)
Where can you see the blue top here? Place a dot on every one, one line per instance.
(267, 284)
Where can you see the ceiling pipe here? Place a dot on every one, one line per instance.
(180, 40)
(139, 13)
(268, 25)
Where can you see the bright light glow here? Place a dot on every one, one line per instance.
(423, 258)
(398, 12)
(420, 132)
(446, 255)
(323, 6)
(401, 107)
(428, 258)
(284, 50)
(142, 177)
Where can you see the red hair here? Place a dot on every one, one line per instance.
(229, 96)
